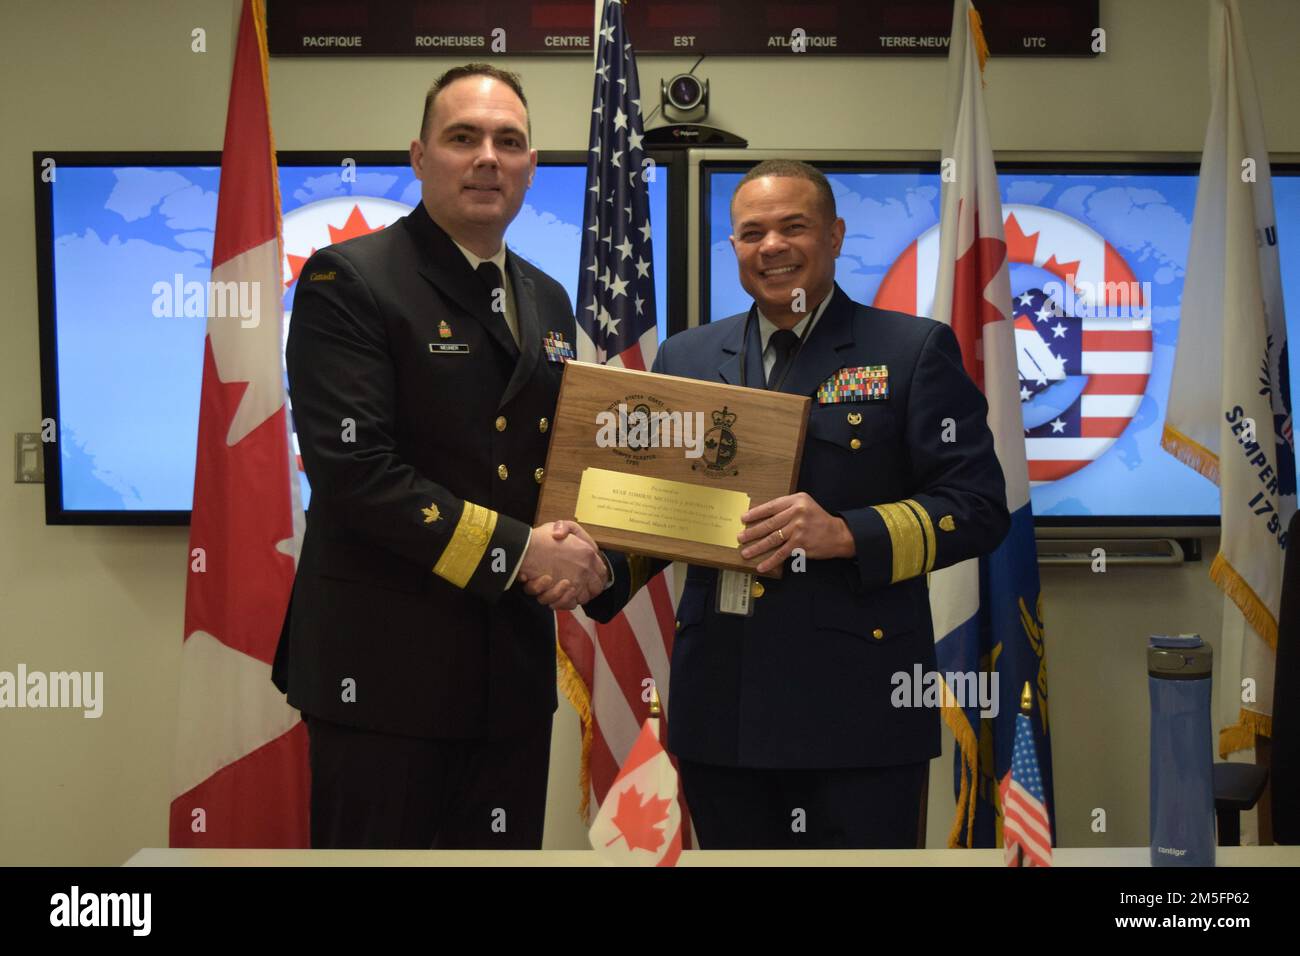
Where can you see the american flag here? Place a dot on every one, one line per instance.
(1082, 380)
(605, 669)
(616, 292)
(1049, 355)
(1024, 815)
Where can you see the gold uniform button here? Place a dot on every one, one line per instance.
(855, 444)
(947, 524)
(678, 624)
(543, 425)
(757, 590)
(877, 633)
(855, 418)
(539, 474)
(501, 423)
(503, 472)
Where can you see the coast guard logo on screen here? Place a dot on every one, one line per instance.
(1083, 334)
(327, 221)
(1053, 347)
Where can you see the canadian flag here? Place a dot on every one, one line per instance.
(240, 777)
(640, 822)
(987, 611)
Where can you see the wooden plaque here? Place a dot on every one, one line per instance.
(664, 466)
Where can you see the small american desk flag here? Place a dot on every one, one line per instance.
(1026, 833)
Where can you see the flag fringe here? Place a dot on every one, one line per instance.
(1255, 611)
(1241, 735)
(1191, 453)
(968, 747)
(576, 692)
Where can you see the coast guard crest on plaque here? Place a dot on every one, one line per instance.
(720, 444)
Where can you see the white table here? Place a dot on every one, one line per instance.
(1068, 856)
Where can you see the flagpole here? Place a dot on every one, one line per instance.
(1026, 705)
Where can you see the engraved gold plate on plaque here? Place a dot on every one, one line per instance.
(664, 466)
(660, 506)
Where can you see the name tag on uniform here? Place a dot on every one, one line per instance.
(557, 349)
(449, 348)
(865, 383)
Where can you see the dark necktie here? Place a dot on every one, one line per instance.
(491, 276)
(784, 342)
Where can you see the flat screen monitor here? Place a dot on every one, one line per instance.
(1092, 432)
(120, 237)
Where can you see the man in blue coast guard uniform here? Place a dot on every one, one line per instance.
(782, 719)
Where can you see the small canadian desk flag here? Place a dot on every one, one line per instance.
(640, 822)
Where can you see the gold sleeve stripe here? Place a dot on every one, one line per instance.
(905, 539)
(927, 527)
(638, 569)
(465, 550)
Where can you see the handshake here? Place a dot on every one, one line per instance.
(562, 566)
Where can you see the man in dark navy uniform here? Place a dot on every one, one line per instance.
(783, 721)
(422, 396)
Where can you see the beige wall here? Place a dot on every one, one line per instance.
(86, 75)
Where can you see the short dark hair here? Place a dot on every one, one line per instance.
(793, 169)
(472, 69)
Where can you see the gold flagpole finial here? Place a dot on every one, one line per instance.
(654, 701)
(977, 33)
(1026, 699)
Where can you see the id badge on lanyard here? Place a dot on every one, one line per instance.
(735, 593)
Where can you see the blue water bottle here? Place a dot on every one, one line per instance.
(1182, 754)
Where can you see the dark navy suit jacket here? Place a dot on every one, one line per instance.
(419, 516)
(807, 681)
